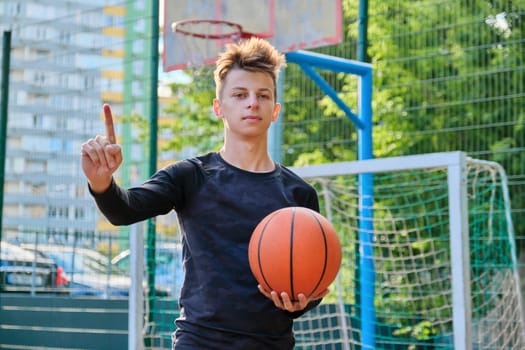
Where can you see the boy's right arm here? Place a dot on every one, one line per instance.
(101, 156)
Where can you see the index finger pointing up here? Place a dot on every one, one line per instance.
(110, 129)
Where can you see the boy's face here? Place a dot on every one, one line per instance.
(246, 105)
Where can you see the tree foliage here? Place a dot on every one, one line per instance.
(448, 76)
(193, 126)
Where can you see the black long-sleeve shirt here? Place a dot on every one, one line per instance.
(218, 207)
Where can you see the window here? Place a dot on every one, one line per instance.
(139, 25)
(57, 212)
(139, 4)
(79, 213)
(14, 8)
(138, 46)
(64, 37)
(37, 121)
(137, 89)
(35, 166)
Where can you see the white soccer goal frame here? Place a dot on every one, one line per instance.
(456, 164)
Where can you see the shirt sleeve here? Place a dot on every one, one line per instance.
(166, 190)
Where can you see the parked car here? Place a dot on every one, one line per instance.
(90, 273)
(168, 266)
(22, 271)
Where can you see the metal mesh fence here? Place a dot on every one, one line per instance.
(448, 75)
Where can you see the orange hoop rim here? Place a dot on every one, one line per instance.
(236, 32)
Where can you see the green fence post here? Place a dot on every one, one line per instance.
(153, 118)
(4, 102)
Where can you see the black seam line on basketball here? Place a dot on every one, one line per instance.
(325, 252)
(259, 252)
(292, 227)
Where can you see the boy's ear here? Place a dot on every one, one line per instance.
(217, 108)
(276, 110)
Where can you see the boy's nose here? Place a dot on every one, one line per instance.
(253, 101)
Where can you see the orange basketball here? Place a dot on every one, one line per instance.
(295, 250)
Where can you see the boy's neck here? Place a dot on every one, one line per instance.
(247, 156)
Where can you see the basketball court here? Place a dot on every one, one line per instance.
(429, 258)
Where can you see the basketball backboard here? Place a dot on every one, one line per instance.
(288, 24)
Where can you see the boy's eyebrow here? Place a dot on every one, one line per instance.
(259, 89)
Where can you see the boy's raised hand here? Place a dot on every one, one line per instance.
(101, 156)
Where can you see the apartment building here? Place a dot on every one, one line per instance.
(67, 58)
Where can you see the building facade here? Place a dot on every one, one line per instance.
(67, 59)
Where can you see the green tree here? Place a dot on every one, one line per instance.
(194, 127)
(447, 77)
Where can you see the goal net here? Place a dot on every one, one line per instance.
(444, 268)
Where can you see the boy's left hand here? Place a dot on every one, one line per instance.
(283, 301)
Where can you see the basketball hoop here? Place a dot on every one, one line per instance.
(195, 31)
(203, 38)
(210, 29)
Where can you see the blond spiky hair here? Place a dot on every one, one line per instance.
(254, 55)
